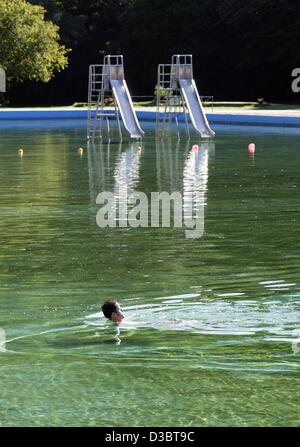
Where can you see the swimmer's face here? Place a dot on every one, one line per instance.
(118, 315)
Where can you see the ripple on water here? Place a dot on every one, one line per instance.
(182, 331)
(223, 333)
(219, 316)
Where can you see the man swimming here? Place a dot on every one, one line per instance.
(113, 311)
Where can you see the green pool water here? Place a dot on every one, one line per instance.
(212, 324)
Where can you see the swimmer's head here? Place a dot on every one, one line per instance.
(112, 310)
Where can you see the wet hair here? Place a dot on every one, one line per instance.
(109, 307)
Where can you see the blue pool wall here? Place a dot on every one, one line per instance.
(213, 118)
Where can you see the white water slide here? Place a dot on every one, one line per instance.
(194, 106)
(128, 115)
(182, 73)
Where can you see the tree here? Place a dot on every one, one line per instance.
(242, 50)
(30, 47)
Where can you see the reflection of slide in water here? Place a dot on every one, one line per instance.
(195, 173)
(127, 171)
(195, 180)
(2, 340)
(116, 173)
(101, 159)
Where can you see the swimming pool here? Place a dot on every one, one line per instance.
(211, 337)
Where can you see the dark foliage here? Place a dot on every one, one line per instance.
(242, 49)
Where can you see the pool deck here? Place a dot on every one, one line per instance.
(218, 115)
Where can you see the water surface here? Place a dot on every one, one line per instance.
(212, 324)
